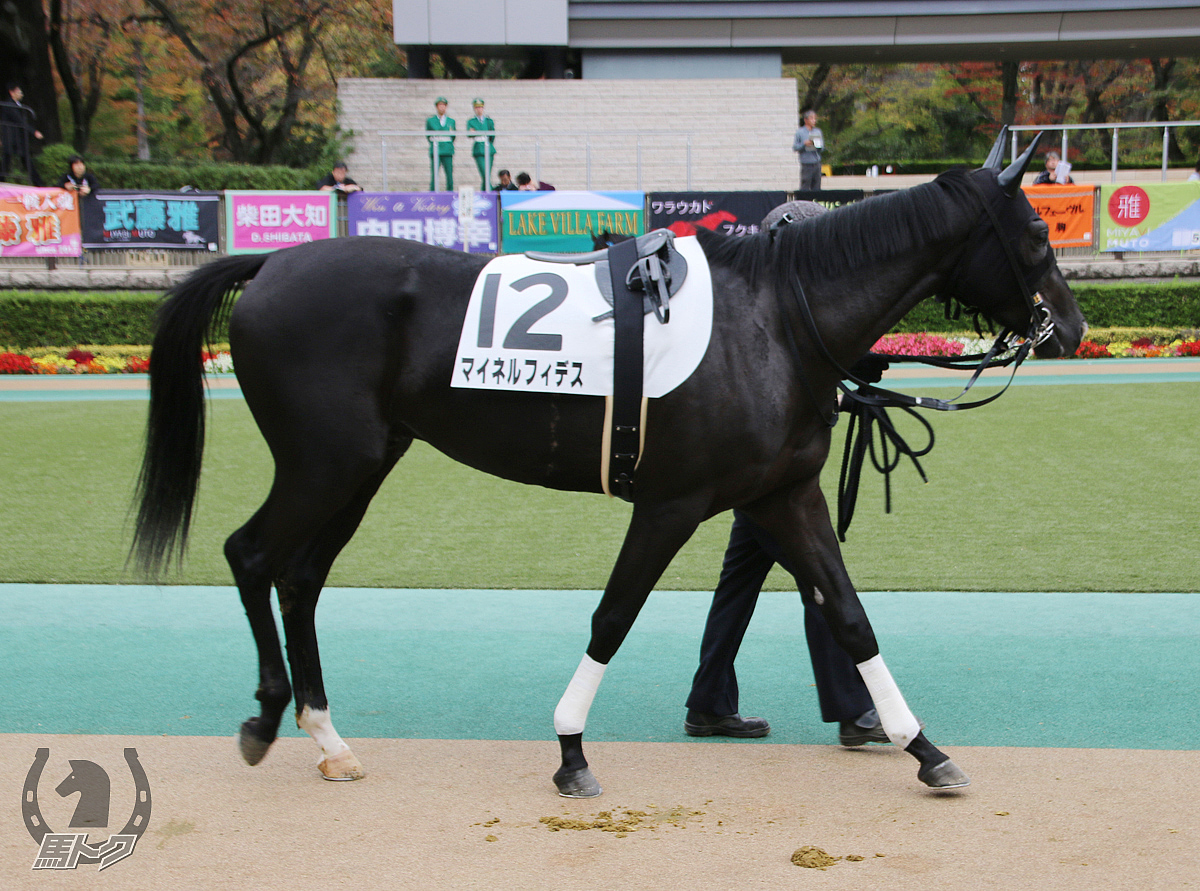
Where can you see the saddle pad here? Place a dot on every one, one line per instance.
(529, 328)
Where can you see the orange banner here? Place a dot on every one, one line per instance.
(38, 222)
(1069, 211)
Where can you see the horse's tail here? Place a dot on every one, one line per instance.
(170, 474)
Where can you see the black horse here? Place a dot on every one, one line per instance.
(345, 349)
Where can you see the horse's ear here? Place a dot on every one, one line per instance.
(995, 158)
(1010, 178)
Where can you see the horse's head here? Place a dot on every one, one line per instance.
(1007, 269)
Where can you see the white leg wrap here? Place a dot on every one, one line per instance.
(898, 722)
(316, 723)
(571, 714)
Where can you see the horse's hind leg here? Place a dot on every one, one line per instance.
(799, 519)
(293, 540)
(274, 692)
(298, 588)
(655, 535)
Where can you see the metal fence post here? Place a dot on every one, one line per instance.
(1166, 142)
(383, 160)
(588, 160)
(1114, 154)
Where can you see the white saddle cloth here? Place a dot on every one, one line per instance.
(529, 328)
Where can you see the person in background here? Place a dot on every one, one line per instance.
(808, 144)
(78, 178)
(16, 129)
(526, 183)
(337, 181)
(1051, 174)
(484, 149)
(506, 184)
(441, 148)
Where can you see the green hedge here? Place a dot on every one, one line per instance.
(68, 318)
(208, 176)
(859, 168)
(1173, 304)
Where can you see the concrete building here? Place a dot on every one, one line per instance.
(690, 93)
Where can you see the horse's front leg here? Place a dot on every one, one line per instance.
(656, 533)
(799, 519)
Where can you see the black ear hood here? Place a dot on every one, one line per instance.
(986, 274)
(1010, 178)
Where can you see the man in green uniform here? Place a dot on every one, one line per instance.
(441, 148)
(484, 149)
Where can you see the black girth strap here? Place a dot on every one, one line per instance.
(628, 320)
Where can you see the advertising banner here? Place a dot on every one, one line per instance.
(122, 218)
(1069, 211)
(267, 221)
(734, 213)
(429, 217)
(1150, 217)
(567, 221)
(38, 222)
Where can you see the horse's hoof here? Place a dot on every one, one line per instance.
(341, 767)
(577, 784)
(946, 775)
(252, 746)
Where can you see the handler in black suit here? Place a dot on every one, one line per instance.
(713, 703)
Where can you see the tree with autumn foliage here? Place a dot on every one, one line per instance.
(252, 82)
(907, 112)
(254, 62)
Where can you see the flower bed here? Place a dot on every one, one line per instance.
(112, 361)
(116, 360)
(937, 345)
(1142, 348)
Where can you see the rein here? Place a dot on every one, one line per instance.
(867, 403)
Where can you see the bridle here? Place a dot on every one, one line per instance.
(867, 404)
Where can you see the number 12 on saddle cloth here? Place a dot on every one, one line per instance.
(532, 326)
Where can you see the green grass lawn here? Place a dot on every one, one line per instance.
(1052, 488)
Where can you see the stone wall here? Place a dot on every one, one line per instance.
(740, 131)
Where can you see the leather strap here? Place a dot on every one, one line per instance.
(628, 320)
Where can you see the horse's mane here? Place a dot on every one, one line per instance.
(836, 243)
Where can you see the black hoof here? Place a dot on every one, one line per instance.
(252, 746)
(946, 775)
(579, 783)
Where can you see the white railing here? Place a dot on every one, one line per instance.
(1166, 127)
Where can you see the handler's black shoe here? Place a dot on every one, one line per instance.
(703, 724)
(867, 729)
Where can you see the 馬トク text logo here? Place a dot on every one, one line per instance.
(66, 850)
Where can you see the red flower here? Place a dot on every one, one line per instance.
(15, 363)
(81, 356)
(917, 345)
(1191, 348)
(137, 365)
(1090, 350)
